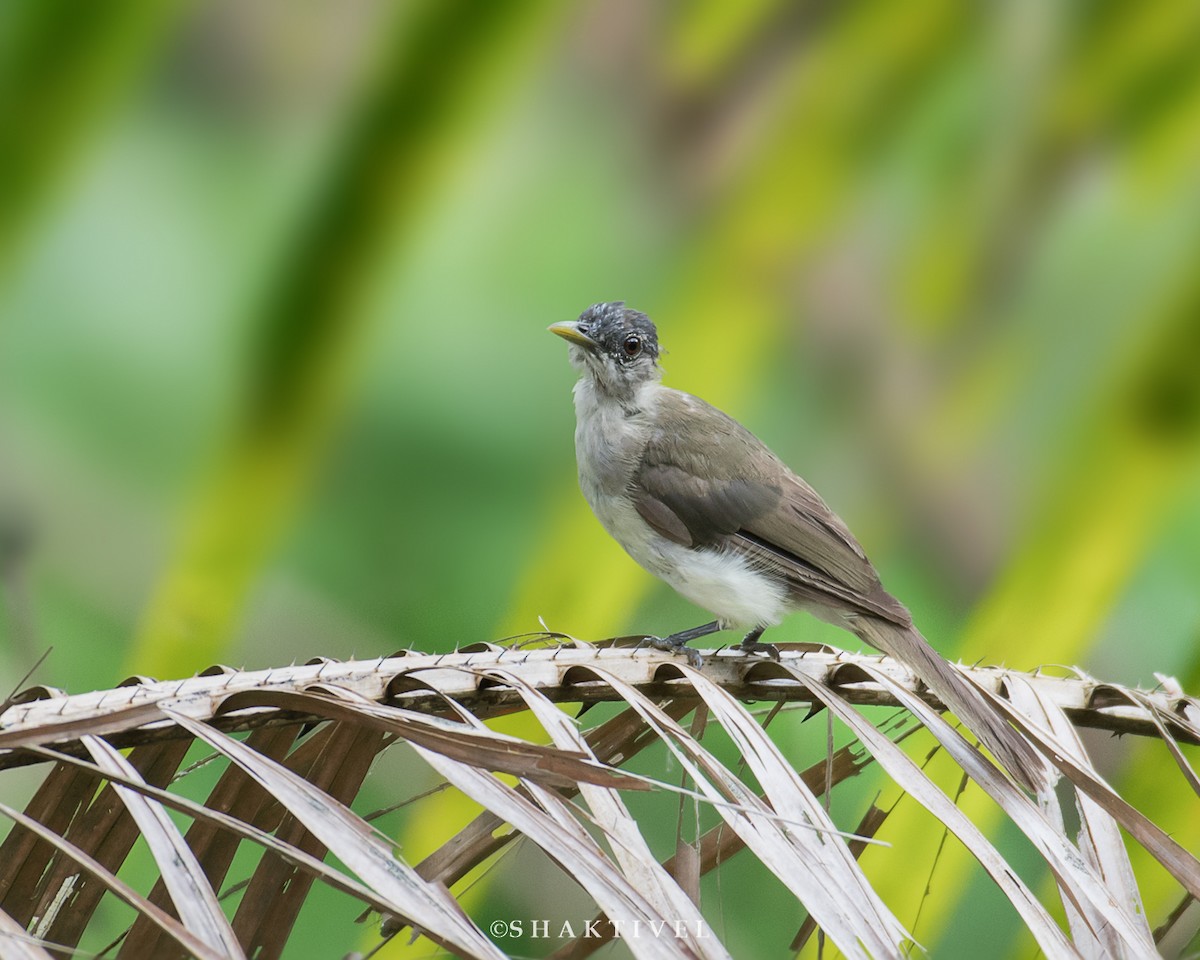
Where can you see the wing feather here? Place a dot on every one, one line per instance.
(710, 482)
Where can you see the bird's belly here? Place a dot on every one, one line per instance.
(724, 583)
(736, 593)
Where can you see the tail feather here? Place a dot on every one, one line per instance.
(1015, 753)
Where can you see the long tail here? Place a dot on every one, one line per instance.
(1008, 745)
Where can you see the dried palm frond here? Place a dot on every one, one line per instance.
(298, 744)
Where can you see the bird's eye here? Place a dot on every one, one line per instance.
(632, 345)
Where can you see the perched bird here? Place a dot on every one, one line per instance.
(700, 502)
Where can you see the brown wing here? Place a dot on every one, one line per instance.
(710, 482)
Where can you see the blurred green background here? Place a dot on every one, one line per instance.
(275, 277)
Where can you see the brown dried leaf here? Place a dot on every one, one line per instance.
(781, 847)
(1077, 879)
(629, 847)
(194, 899)
(550, 825)
(121, 889)
(910, 778)
(17, 944)
(479, 747)
(355, 843)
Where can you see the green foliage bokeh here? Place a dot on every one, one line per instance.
(274, 280)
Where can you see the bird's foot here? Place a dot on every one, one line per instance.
(675, 644)
(750, 644)
(766, 649)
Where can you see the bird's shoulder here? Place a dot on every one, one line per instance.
(691, 436)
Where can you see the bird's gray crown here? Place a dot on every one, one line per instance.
(624, 334)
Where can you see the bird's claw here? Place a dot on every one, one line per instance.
(753, 646)
(671, 645)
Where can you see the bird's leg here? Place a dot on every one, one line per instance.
(677, 642)
(750, 644)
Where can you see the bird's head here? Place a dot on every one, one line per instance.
(616, 346)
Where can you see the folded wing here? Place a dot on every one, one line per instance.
(709, 482)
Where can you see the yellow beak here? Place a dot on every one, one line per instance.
(569, 330)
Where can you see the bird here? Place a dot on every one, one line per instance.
(701, 503)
